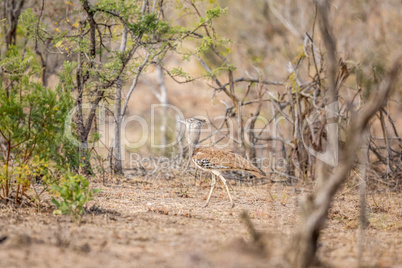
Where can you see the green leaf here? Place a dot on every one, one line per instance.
(55, 202)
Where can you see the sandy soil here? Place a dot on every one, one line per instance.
(161, 223)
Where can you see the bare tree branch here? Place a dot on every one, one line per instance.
(316, 206)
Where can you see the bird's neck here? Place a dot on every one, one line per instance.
(193, 138)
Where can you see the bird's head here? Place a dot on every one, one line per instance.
(193, 129)
(192, 123)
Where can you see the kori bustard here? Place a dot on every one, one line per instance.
(215, 160)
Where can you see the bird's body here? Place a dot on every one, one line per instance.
(215, 160)
(211, 158)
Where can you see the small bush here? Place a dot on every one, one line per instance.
(32, 141)
(74, 192)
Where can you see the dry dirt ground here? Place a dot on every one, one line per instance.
(161, 223)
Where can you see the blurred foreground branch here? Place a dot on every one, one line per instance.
(316, 206)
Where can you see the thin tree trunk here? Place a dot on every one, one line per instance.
(162, 97)
(179, 139)
(85, 164)
(117, 157)
(364, 161)
(116, 162)
(12, 11)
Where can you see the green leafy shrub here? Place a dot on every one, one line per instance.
(74, 192)
(32, 141)
(31, 123)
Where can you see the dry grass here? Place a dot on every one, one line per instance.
(138, 223)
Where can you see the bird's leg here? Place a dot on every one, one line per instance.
(227, 189)
(212, 189)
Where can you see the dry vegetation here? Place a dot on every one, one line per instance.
(139, 222)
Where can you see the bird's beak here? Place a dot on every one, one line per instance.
(181, 121)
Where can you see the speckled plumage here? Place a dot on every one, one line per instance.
(213, 159)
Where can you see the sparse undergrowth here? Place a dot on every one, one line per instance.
(130, 223)
(74, 192)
